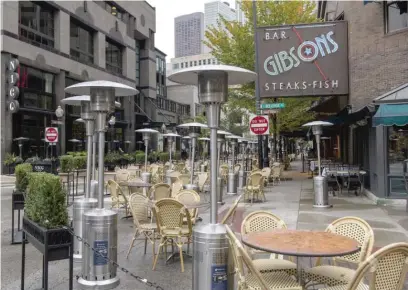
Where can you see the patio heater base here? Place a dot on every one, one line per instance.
(168, 178)
(321, 193)
(102, 285)
(232, 184)
(146, 176)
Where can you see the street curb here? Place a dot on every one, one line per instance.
(383, 201)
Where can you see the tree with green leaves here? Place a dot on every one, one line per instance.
(233, 43)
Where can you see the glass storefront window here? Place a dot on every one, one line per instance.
(81, 43)
(397, 149)
(113, 57)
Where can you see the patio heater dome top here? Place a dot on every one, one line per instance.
(325, 138)
(232, 137)
(193, 124)
(79, 120)
(171, 135)
(146, 130)
(77, 100)
(317, 123)
(204, 139)
(84, 88)
(21, 139)
(128, 142)
(221, 132)
(236, 75)
(74, 140)
(186, 137)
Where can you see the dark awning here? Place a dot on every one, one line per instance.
(391, 114)
(344, 117)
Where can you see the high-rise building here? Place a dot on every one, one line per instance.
(239, 14)
(212, 15)
(188, 34)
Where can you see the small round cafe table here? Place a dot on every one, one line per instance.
(301, 244)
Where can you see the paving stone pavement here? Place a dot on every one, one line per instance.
(291, 200)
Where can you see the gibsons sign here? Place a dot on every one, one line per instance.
(303, 60)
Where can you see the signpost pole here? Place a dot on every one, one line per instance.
(257, 93)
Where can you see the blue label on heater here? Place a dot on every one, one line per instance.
(219, 277)
(102, 248)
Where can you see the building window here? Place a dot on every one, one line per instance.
(113, 57)
(396, 15)
(151, 39)
(195, 63)
(137, 63)
(81, 43)
(186, 64)
(209, 61)
(203, 61)
(191, 63)
(175, 65)
(199, 62)
(36, 23)
(157, 64)
(37, 88)
(182, 65)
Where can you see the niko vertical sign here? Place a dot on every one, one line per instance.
(303, 60)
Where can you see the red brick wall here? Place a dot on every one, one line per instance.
(378, 62)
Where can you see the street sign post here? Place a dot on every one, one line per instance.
(272, 106)
(259, 125)
(51, 134)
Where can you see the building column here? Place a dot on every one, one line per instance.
(381, 162)
(7, 117)
(60, 94)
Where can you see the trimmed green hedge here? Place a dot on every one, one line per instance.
(22, 176)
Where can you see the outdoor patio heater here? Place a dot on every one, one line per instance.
(146, 176)
(324, 145)
(220, 182)
(242, 171)
(232, 176)
(210, 240)
(20, 141)
(170, 137)
(321, 194)
(100, 225)
(195, 130)
(205, 140)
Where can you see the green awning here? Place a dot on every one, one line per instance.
(391, 114)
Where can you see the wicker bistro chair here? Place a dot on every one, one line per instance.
(224, 172)
(170, 214)
(266, 173)
(159, 191)
(276, 174)
(185, 178)
(176, 187)
(189, 197)
(253, 279)
(203, 179)
(254, 186)
(262, 221)
(237, 168)
(122, 175)
(385, 269)
(118, 198)
(139, 208)
(333, 275)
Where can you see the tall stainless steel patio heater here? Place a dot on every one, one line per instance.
(20, 141)
(100, 225)
(210, 240)
(324, 145)
(170, 137)
(242, 171)
(232, 176)
(205, 141)
(194, 132)
(84, 204)
(146, 138)
(321, 194)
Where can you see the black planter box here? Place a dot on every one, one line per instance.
(17, 204)
(45, 166)
(53, 243)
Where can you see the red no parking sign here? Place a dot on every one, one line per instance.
(51, 134)
(259, 125)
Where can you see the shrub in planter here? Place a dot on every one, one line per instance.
(79, 162)
(66, 163)
(139, 158)
(32, 159)
(139, 152)
(152, 157)
(164, 157)
(22, 176)
(9, 159)
(112, 159)
(45, 201)
(176, 155)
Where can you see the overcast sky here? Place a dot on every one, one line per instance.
(166, 11)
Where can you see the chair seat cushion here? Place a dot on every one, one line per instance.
(329, 275)
(148, 226)
(174, 232)
(274, 280)
(270, 265)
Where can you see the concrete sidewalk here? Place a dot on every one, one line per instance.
(291, 200)
(7, 180)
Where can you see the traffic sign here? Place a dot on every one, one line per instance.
(51, 134)
(272, 111)
(259, 125)
(273, 106)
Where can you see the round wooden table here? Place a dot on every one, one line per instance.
(301, 244)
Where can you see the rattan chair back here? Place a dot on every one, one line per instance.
(160, 191)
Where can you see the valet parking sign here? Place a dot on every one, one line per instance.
(303, 60)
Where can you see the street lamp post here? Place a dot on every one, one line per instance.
(59, 113)
(321, 195)
(210, 240)
(99, 226)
